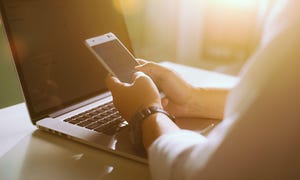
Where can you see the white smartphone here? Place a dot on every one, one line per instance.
(113, 55)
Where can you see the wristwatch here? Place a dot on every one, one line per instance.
(136, 125)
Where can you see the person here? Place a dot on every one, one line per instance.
(258, 137)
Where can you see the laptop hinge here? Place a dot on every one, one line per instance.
(79, 105)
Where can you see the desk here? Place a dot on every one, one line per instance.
(28, 153)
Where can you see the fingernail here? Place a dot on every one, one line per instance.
(138, 66)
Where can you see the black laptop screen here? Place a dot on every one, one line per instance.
(47, 40)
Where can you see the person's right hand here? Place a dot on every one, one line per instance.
(178, 93)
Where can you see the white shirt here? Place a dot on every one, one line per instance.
(259, 137)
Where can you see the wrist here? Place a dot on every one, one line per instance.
(156, 125)
(137, 124)
(208, 102)
(193, 101)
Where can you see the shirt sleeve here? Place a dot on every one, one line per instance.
(183, 154)
(258, 142)
(258, 139)
(164, 153)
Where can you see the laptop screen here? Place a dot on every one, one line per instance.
(55, 68)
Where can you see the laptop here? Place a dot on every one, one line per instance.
(62, 82)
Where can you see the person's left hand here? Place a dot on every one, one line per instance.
(130, 98)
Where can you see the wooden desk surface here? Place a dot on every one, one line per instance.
(40, 155)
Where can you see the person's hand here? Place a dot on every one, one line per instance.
(130, 98)
(178, 93)
(182, 99)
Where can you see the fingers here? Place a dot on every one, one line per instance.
(113, 83)
(140, 76)
(150, 69)
(161, 75)
(165, 102)
(141, 61)
(146, 67)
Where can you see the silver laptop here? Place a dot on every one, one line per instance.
(63, 83)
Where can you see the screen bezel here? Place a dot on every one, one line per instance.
(35, 116)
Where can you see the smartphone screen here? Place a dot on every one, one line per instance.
(116, 58)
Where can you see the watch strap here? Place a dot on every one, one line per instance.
(136, 124)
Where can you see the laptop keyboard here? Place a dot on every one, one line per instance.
(105, 119)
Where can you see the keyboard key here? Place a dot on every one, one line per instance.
(76, 120)
(86, 122)
(115, 128)
(99, 116)
(94, 113)
(104, 119)
(101, 128)
(68, 119)
(94, 125)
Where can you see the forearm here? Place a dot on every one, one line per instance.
(156, 125)
(208, 102)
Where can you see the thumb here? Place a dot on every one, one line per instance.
(112, 82)
(140, 77)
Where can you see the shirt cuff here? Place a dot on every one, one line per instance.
(164, 151)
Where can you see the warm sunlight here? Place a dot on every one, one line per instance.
(231, 28)
(236, 3)
(128, 6)
(195, 32)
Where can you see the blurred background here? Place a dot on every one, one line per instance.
(212, 34)
(217, 35)
(10, 91)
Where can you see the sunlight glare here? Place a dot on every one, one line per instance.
(236, 3)
(128, 7)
